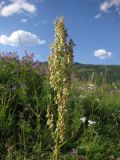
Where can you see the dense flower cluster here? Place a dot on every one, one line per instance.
(9, 56)
(60, 61)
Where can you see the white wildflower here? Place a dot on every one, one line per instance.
(91, 87)
(91, 122)
(83, 119)
(82, 88)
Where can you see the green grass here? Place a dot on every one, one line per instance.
(24, 96)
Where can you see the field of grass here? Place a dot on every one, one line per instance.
(93, 117)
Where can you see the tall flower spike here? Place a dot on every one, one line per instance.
(59, 63)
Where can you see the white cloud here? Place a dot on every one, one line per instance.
(98, 16)
(102, 53)
(24, 20)
(106, 5)
(20, 36)
(17, 6)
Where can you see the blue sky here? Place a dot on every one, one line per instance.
(94, 25)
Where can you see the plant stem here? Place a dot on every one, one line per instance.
(56, 153)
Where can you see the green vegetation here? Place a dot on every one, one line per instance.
(92, 120)
(98, 73)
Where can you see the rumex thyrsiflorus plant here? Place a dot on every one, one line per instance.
(59, 64)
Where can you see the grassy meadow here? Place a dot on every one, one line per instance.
(93, 117)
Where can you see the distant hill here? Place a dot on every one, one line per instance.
(110, 73)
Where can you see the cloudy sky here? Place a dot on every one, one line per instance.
(94, 26)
